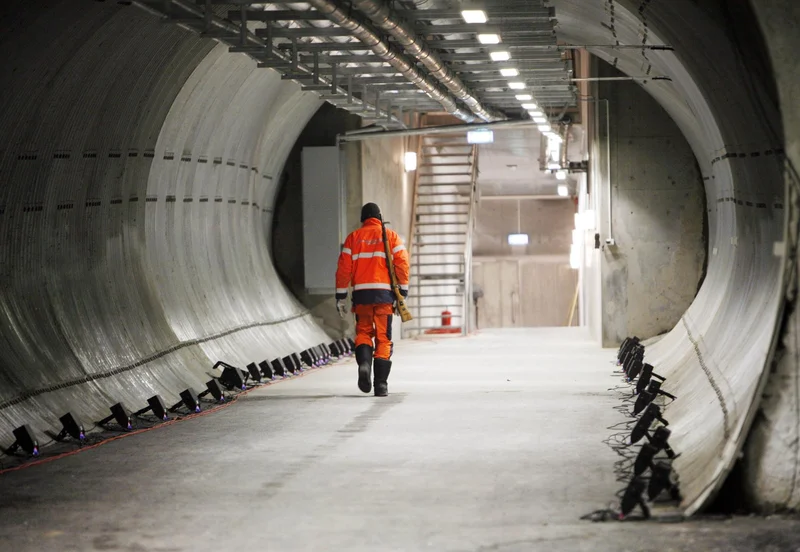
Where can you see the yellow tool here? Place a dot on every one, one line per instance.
(402, 309)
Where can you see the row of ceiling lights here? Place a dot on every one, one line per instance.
(526, 99)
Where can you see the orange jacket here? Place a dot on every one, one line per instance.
(362, 265)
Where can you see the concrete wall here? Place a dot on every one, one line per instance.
(652, 274)
(548, 223)
(524, 286)
(287, 237)
(524, 292)
(385, 182)
(374, 171)
(772, 456)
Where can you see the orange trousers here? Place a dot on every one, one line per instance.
(375, 322)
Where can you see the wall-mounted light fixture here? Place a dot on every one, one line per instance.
(518, 239)
(410, 161)
(480, 137)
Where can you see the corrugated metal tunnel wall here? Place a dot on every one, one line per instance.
(717, 358)
(138, 169)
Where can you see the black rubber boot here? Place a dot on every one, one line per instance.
(382, 369)
(364, 360)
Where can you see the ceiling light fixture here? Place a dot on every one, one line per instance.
(516, 85)
(500, 56)
(474, 16)
(524, 97)
(529, 106)
(509, 72)
(489, 39)
(545, 128)
(562, 175)
(539, 120)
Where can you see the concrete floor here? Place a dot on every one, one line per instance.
(489, 443)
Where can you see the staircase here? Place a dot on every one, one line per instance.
(441, 244)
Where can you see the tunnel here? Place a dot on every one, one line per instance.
(150, 207)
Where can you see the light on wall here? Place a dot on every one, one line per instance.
(411, 161)
(518, 239)
(585, 220)
(574, 257)
(480, 137)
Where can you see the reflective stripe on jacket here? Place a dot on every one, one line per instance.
(362, 265)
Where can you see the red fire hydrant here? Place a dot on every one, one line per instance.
(447, 317)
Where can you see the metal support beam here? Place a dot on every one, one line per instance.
(361, 135)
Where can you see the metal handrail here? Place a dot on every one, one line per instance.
(467, 320)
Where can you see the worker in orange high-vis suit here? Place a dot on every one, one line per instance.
(362, 265)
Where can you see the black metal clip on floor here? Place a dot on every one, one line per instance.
(649, 476)
(232, 379)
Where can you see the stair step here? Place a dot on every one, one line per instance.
(451, 276)
(429, 164)
(467, 154)
(465, 213)
(425, 175)
(438, 318)
(451, 306)
(454, 223)
(448, 204)
(447, 145)
(450, 253)
(448, 244)
(434, 184)
(440, 194)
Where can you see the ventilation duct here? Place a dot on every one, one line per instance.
(382, 49)
(383, 17)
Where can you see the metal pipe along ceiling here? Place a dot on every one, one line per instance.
(396, 59)
(382, 16)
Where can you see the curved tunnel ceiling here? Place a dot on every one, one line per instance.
(140, 165)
